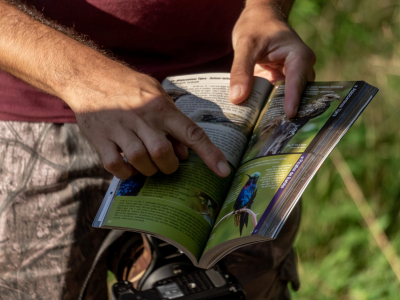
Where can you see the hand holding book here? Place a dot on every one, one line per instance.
(267, 47)
(145, 125)
(272, 158)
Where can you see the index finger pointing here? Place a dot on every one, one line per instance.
(183, 129)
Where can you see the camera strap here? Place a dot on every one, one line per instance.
(112, 236)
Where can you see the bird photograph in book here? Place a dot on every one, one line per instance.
(276, 134)
(281, 129)
(244, 201)
(132, 185)
(218, 117)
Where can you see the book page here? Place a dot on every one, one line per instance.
(274, 133)
(204, 98)
(276, 152)
(183, 206)
(253, 187)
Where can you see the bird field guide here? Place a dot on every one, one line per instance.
(272, 158)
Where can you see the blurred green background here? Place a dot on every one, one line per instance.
(338, 256)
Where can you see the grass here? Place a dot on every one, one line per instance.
(338, 255)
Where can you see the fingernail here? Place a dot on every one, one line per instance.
(235, 92)
(223, 167)
(295, 108)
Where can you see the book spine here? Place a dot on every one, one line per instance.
(348, 101)
(280, 191)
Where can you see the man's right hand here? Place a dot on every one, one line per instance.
(132, 114)
(119, 110)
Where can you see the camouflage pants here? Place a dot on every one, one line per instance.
(51, 185)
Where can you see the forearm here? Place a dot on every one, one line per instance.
(48, 58)
(118, 109)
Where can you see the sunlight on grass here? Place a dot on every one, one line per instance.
(338, 256)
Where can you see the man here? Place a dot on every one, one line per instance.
(52, 179)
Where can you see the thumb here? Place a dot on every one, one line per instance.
(242, 73)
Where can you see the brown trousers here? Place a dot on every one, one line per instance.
(51, 185)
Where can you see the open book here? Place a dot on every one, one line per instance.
(272, 158)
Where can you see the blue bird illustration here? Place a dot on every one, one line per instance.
(245, 200)
(132, 185)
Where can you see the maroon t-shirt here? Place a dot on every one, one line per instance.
(157, 37)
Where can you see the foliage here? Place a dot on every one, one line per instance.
(338, 257)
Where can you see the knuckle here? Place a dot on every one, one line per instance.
(195, 134)
(172, 169)
(160, 151)
(136, 154)
(240, 71)
(158, 102)
(247, 40)
(155, 102)
(162, 105)
(150, 172)
(111, 164)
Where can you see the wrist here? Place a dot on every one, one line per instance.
(277, 10)
(94, 79)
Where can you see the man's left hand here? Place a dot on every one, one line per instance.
(266, 46)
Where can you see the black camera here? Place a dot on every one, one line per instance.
(172, 276)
